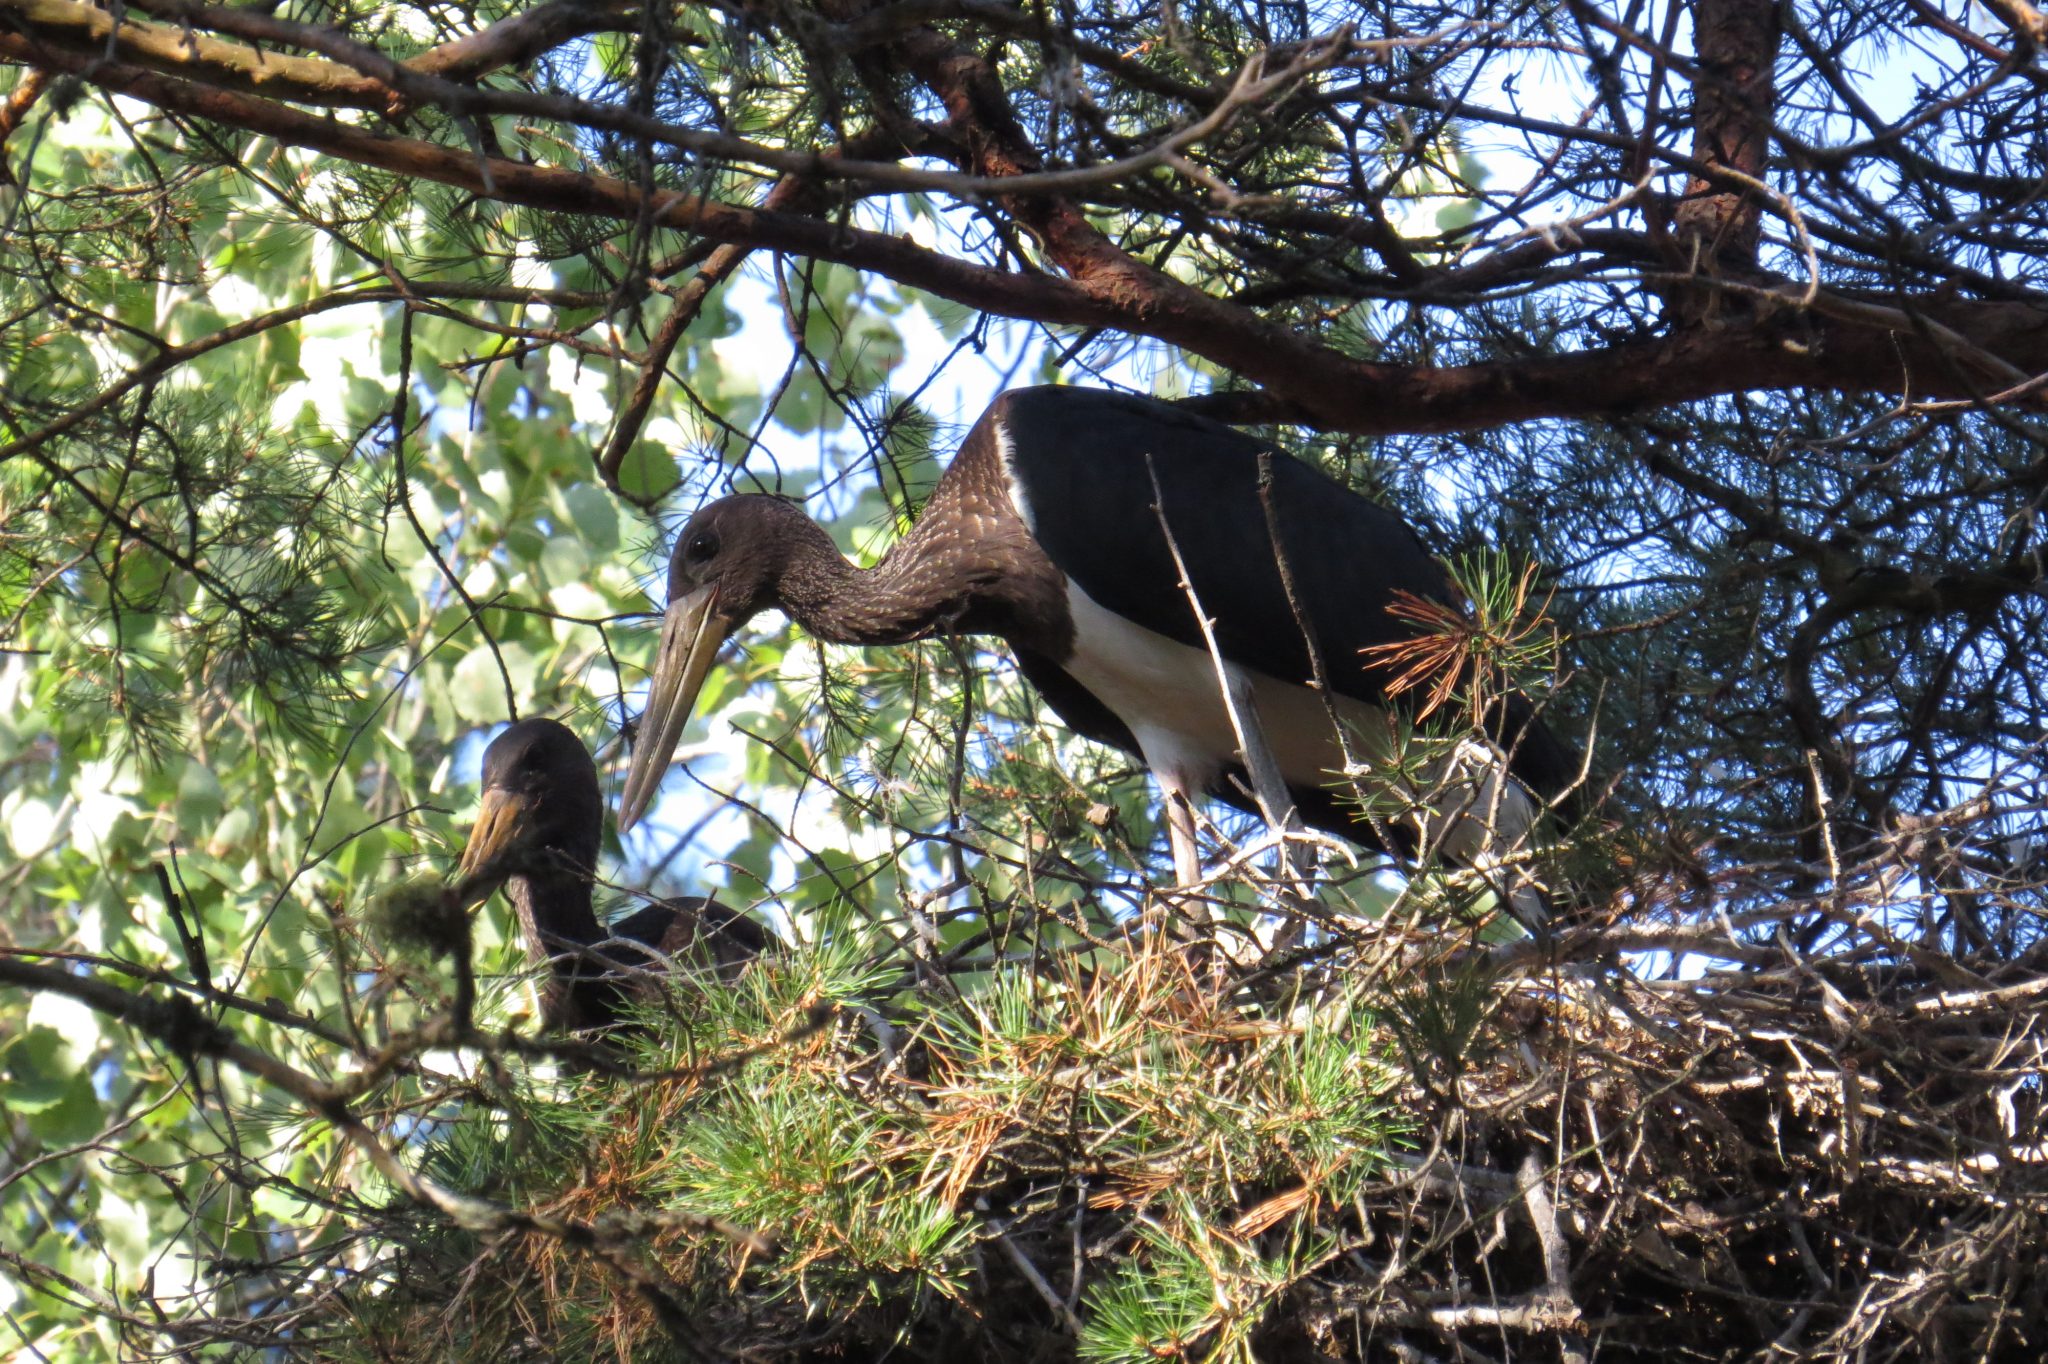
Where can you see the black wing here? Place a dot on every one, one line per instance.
(1085, 461)
(680, 924)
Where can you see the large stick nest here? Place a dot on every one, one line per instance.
(1803, 1136)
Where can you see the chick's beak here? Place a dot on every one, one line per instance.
(690, 637)
(504, 820)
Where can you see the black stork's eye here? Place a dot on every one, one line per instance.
(702, 546)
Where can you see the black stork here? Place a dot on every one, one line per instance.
(1060, 526)
(537, 833)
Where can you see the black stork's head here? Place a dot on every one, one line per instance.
(730, 564)
(541, 811)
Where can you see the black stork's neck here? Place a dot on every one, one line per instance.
(560, 926)
(904, 597)
(968, 566)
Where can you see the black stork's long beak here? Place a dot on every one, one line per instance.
(690, 638)
(504, 820)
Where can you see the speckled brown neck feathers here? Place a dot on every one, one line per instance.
(968, 566)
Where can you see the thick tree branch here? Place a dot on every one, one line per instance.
(363, 77)
(516, 40)
(1715, 226)
(1304, 381)
(47, 27)
(84, 29)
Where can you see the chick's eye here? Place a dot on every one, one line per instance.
(701, 547)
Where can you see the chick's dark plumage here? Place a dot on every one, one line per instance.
(539, 826)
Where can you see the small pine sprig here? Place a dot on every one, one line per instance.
(1485, 648)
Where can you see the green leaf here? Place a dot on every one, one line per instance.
(595, 517)
(648, 472)
(278, 354)
(200, 799)
(34, 1074)
(477, 688)
(565, 560)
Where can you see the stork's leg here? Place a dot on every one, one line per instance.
(1180, 834)
(1187, 912)
(1179, 790)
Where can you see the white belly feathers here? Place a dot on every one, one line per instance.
(1166, 693)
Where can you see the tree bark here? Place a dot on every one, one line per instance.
(1716, 228)
(1921, 347)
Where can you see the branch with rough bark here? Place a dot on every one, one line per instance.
(1785, 334)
